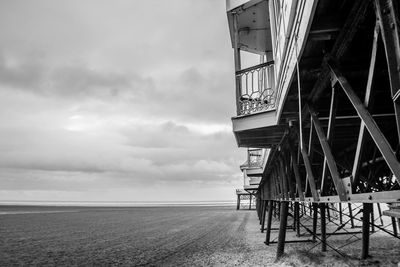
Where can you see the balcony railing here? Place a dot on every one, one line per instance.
(255, 87)
(255, 157)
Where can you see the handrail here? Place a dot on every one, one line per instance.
(266, 64)
(255, 90)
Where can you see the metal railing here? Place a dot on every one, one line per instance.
(255, 157)
(256, 89)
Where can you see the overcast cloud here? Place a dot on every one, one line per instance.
(116, 100)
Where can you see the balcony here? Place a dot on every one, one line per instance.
(253, 169)
(255, 98)
(255, 123)
(256, 89)
(255, 163)
(275, 32)
(251, 183)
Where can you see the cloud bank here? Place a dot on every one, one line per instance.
(129, 101)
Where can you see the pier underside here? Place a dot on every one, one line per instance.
(337, 138)
(343, 144)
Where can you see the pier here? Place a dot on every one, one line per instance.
(317, 86)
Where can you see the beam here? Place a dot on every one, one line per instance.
(389, 25)
(361, 134)
(328, 156)
(344, 40)
(378, 137)
(310, 176)
(296, 171)
(331, 126)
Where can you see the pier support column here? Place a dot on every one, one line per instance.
(380, 213)
(264, 211)
(269, 220)
(238, 202)
(250, 202)
(282, 229)
(328, 211)
(322, 207)
(351, 215)
(394, 226)
(372, 219)
(297, 217)
(367, 208)
(315, 221)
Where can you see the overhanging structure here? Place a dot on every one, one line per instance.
(324, 97)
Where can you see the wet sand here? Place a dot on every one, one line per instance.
(166, 236)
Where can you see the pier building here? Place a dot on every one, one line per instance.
(317, 86)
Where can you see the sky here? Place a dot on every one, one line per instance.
(120, 100)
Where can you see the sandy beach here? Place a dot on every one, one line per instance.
(166, 236)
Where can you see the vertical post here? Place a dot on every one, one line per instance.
(323, 226)
(238, 202)
(238, 79)
(315, 221)
(351, 215)
(263, 215)
(328, 211)
(297, 205)
(380, 213)
(372, 219)
(367, 207)
(269, 220)
(394, 226)
(282, 229)
(250, 202)
(340, 214)
(294, 215)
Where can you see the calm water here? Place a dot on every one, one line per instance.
(120, 236)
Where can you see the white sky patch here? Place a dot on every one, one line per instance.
(208, 128)
(87, 123)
